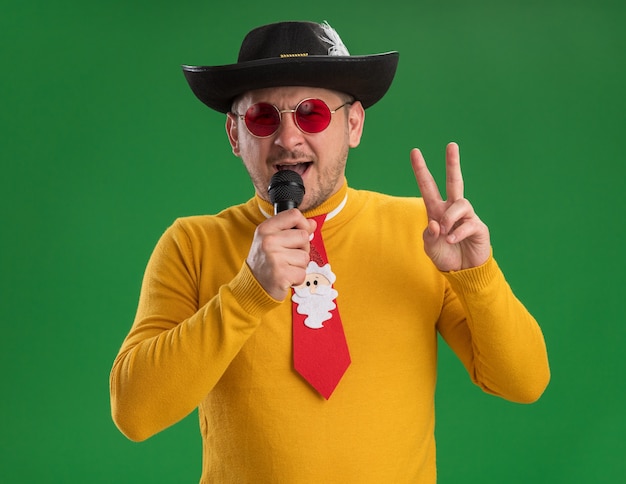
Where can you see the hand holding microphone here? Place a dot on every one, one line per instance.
(279, 253)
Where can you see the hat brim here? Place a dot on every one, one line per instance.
(366, 77)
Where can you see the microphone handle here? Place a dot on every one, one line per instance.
(282, 205)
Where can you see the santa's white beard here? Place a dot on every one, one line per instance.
(316, 306)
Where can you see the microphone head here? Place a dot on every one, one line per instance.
(286, 190)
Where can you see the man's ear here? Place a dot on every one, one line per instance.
(232, 130)
(356, 120)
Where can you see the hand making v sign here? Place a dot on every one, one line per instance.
(455, 238)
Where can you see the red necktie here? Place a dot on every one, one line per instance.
(320, 350)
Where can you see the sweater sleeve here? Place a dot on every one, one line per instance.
(176, 351)
(496, 338)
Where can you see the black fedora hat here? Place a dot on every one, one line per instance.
(294, 54)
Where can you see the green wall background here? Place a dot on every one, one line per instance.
(103, 145)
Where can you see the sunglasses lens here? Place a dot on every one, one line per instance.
(313, 115)
(262, 119)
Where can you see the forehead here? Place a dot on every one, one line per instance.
(287, 97)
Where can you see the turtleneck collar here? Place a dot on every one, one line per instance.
(331, 206)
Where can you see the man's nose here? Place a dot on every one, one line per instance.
(288, 134)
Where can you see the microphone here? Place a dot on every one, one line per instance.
(286, 190)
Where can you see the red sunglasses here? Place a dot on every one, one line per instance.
(310, 115)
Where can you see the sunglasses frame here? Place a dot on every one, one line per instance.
(295, 117)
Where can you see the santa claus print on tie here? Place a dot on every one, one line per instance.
(316, 296)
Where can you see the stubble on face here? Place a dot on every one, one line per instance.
(326, 182)
(321, 183)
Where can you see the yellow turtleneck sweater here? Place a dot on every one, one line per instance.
(207, 335)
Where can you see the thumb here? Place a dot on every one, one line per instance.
(432, 230)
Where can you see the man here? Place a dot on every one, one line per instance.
(221, 327)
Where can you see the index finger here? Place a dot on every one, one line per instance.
(454, 178)
(425, 181)
(291, 219)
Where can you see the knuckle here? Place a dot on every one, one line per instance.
(267, 243)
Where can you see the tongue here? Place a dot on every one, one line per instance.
(299, 168)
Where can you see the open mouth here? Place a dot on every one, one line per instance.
(299, 168)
